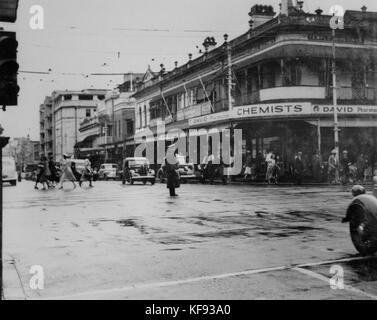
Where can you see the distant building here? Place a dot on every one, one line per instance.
(116, 115)
(69, 109)
(23, 150)
(46, 127)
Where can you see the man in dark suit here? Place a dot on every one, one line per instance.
(298, 168)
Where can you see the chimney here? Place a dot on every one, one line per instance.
(286, 7)
(260, 14)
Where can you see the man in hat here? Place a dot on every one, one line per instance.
(298, 167)
(345, 167)
(332, 167)
(171, 168)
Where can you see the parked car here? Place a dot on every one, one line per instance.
(9, 170)
(186, 171)
(108, 171)
(31, 170)
(137, 169)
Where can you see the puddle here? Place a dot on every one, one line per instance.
(133, 224)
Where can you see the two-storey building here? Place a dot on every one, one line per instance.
(282, 92)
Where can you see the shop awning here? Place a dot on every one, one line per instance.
(86, 142)
(346, 123)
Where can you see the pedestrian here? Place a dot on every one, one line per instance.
(259, 164)
(67, 174)
(54, 177)
(360, 165)
(207, 166)
(87, 173)
(247, 166)
(76, 174)
(217, 168)
(316, 166)
(228, 168)
(298, 167)
(171, 168)
(270, 163)
(345, 164)
(42, 174)
(277, 169)
(332, 168)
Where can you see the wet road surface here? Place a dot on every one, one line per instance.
(212, 242)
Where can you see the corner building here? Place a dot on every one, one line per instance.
(282, 92)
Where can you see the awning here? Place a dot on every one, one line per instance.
(87, 141)
(345, 123)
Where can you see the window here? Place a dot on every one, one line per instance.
(130, 126)
(87, 113)
(67, 97)
(145, 114)
(101, 97)
(140, 118)
(85, 97)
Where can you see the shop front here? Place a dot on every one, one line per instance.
(288, 128)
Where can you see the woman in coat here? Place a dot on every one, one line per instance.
(171, 168)
(67, 174)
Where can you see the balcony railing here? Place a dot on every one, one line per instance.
(359, 94)
(355, 93)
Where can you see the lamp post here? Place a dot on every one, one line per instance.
(229, 71)
(335, 106)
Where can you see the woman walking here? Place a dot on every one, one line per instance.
(67, 174)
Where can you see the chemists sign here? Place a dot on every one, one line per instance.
(268, 110)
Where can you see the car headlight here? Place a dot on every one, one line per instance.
(151, 171)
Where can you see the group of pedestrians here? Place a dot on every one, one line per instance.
(49, 176)
(271, 162)
(346, 171)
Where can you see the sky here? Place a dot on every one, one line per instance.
(117, 36)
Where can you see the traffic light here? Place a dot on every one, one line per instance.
(8, 69)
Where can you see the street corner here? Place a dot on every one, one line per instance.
(12, 285)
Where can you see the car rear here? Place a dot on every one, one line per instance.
(9, 173)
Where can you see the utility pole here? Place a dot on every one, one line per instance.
(335, 105)
(229, 71)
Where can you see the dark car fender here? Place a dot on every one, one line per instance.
(369, 205)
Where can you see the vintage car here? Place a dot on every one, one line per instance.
(9, 170)
(108, 171)
(137, 169)
(362, 217)
(186, 171)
